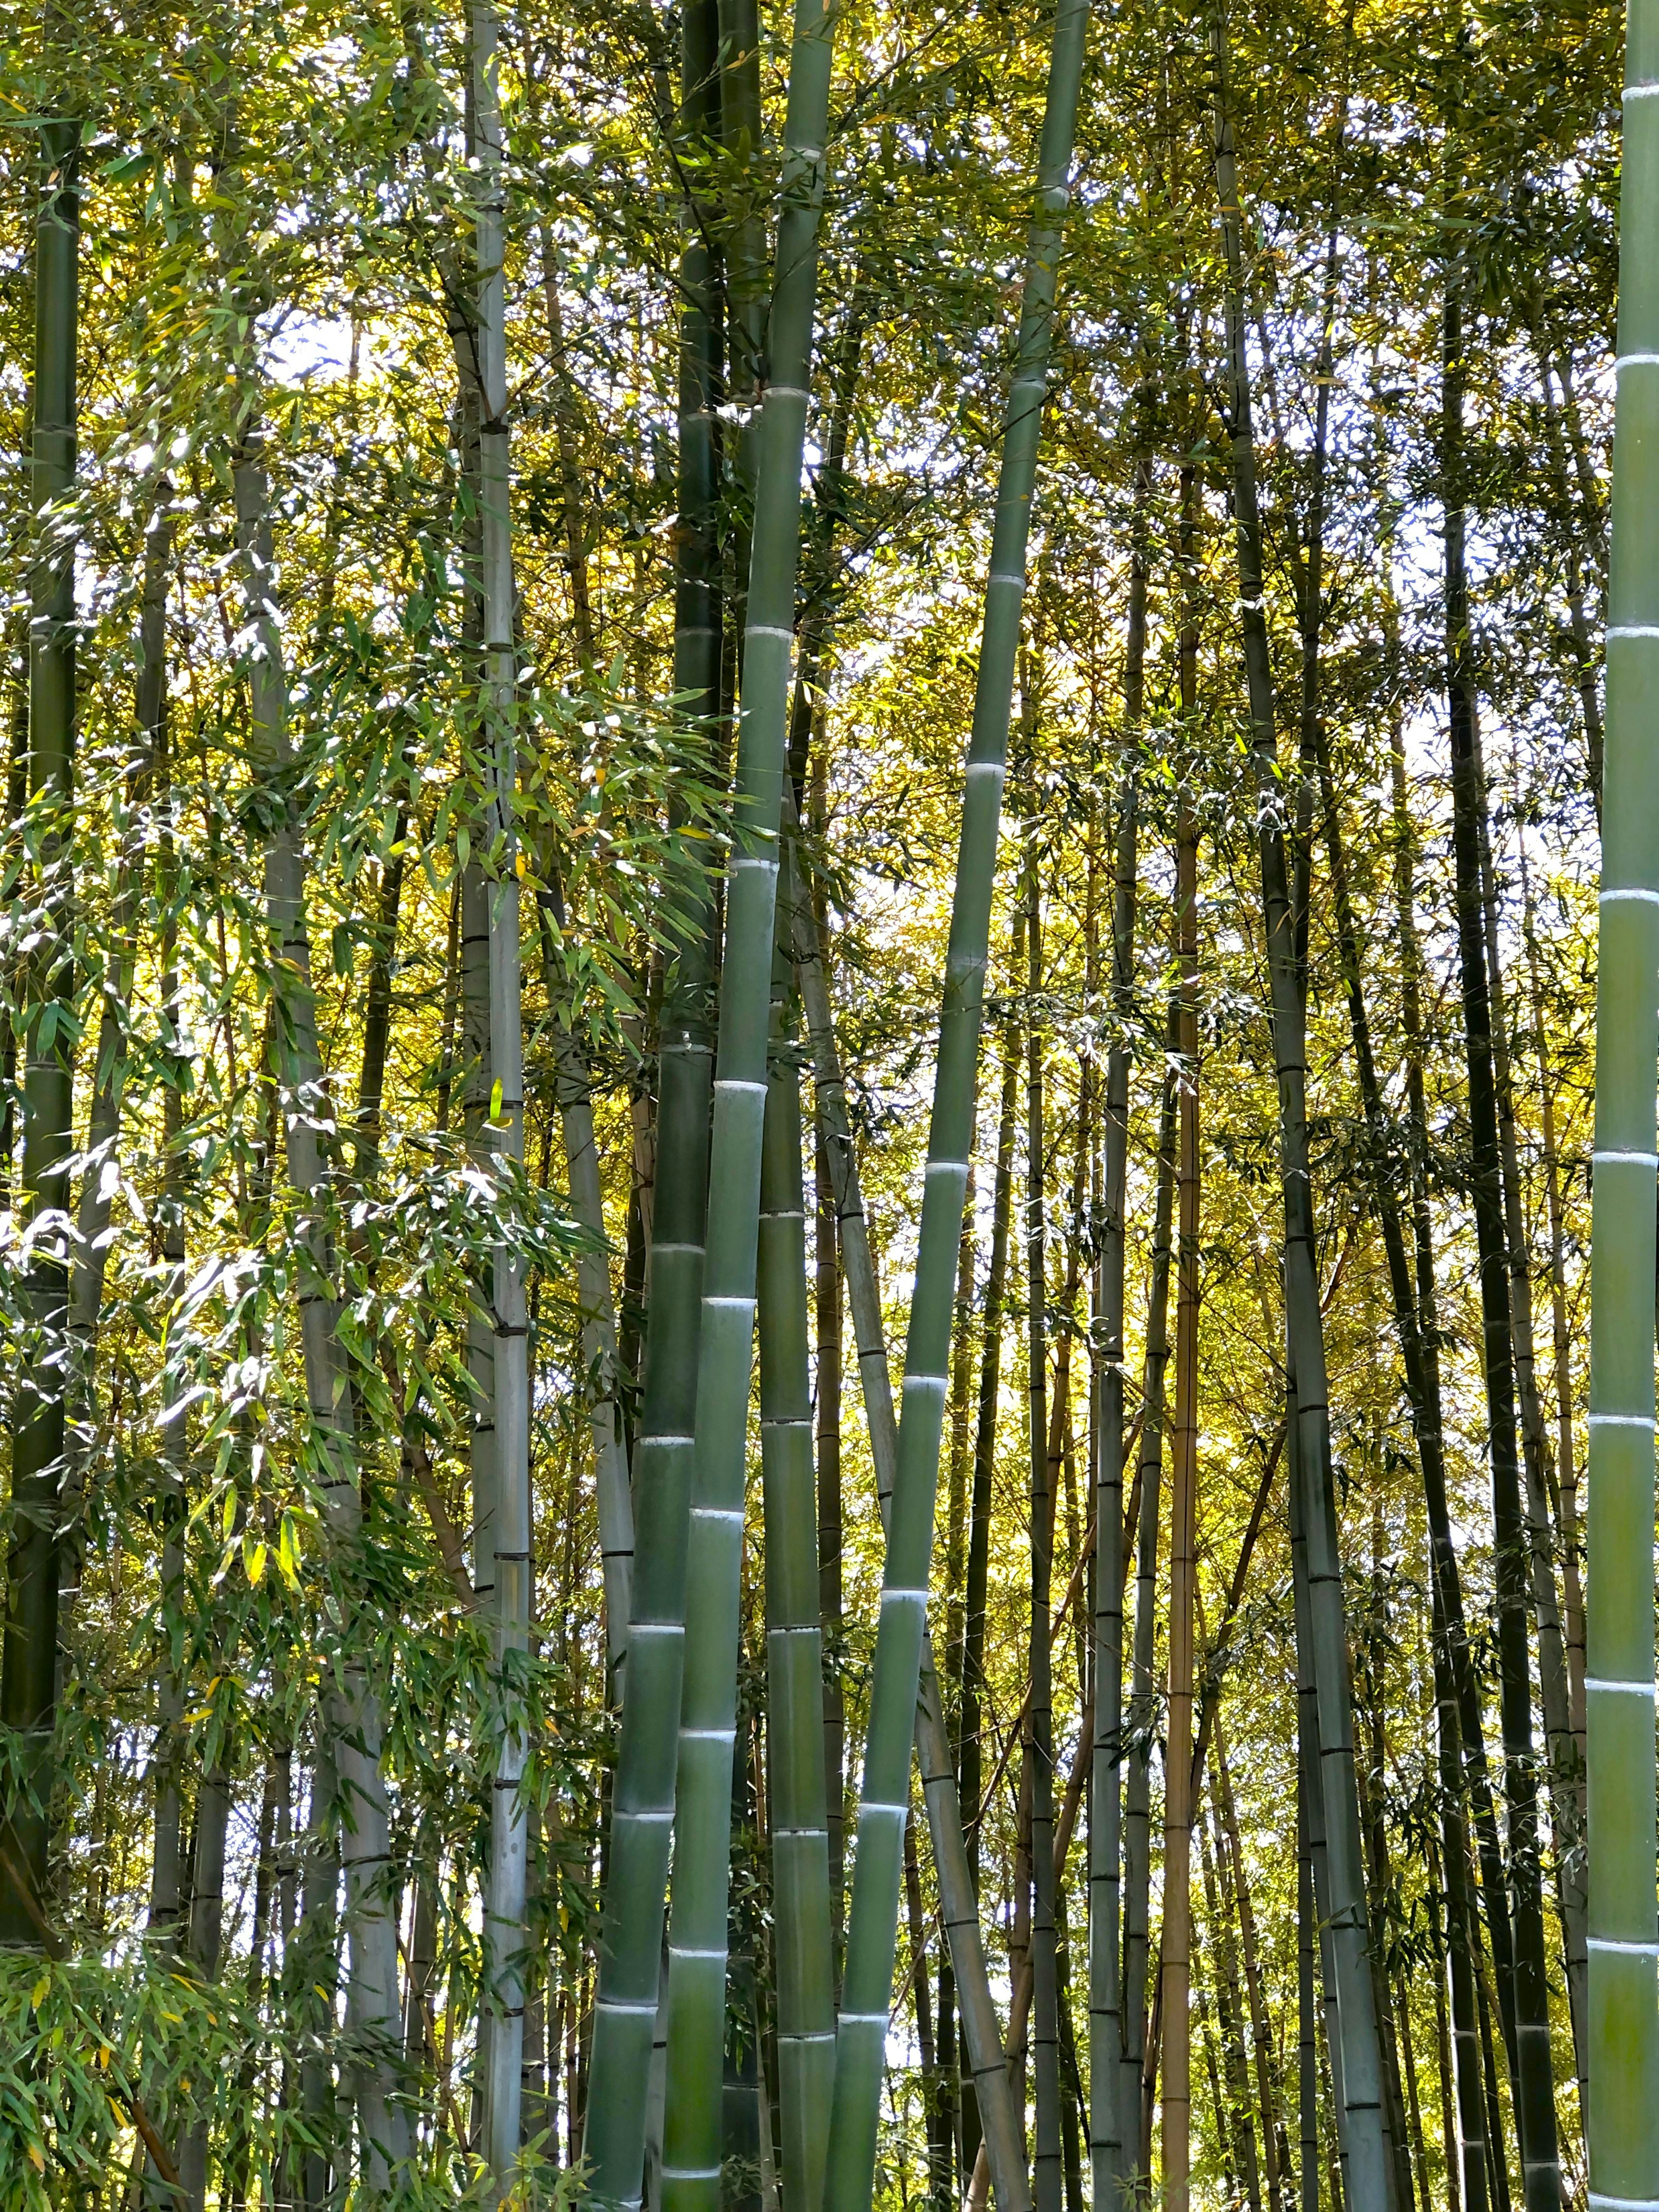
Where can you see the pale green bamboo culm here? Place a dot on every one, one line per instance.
(703, 1803)
(867, 1985)
(504, 1931)
(794, 1639)
(1004, 2143)
(28, 1682)
(1623, 2019)
(626, 2013)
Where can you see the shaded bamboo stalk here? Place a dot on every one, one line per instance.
(1175, 1971)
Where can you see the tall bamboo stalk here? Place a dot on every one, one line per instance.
(1109, 2108)
(28, 1673)
(626, 2006)
(1535, 2095)
(1361, 2071)
(1178, 1810)
(1624, 1936)
(505, 1932)
(794, 1641)
(1142, 1707)
(697, 1931)
(1003, 2140)
(1039, 1704)
(861, 2037)
(351, 1723)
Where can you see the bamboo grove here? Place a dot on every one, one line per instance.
(828, 1376)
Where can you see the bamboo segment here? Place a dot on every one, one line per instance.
(1624, 1936)
(795, 1646)
(626, 2007)
(703, 1804)
(867, 1987)
(28, 1674)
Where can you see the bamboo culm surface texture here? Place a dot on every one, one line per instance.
(1623, 1939)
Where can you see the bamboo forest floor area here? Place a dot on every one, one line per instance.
(808, 1088)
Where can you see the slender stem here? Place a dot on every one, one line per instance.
(1624, 1930)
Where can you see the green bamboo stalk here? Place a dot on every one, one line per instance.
(1369, 2173)
(953, 1869)
(1108, 2111)
(28, 1674)
(794, 1641)
(703, 1804)
(1531, 2072)
(350, 1717)
(630, 1949)
(505, 1927)
(1040, 1717)
(99, 1176)
(1624, 1938)
(872, 1930)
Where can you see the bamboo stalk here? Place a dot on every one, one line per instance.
(28, 1671)
(697, 1929)
(1361, 2084)
(1624, 1930)
(957, 1886)
(1534, 2097)
(1178, 1807)
(1040, 1719)
(625, 2080)
(872, 1924)
(794, 1643)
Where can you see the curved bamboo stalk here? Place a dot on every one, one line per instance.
(1624, 1931)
